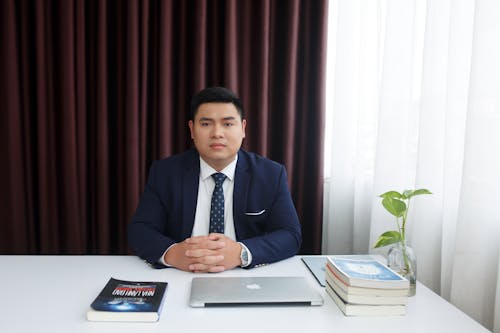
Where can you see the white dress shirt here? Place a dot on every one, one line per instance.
(205, 190)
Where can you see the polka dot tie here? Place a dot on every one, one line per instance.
(217, 206)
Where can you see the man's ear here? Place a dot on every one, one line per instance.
(243, 126)
(191, 125)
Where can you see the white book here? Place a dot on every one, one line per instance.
(363, 309)
(365, 291)
(366, 299)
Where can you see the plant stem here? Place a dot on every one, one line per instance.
(405, 256)
(403, 237)
(405, 215)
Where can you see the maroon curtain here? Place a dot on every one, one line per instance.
(92, 91)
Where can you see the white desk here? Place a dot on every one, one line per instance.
(53, 293)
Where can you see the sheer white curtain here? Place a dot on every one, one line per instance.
(414, 101)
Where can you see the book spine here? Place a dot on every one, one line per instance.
(364, 291)
(364, 282)
(340, 303)
(335, 273)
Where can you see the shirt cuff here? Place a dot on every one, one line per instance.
(162, 258)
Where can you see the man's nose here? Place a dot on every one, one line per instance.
(218, 130)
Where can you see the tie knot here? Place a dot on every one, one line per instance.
(219, 178)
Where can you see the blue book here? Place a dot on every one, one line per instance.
(367, 273)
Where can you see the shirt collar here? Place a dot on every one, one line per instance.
(207, 171)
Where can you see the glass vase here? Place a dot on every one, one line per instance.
(401, 258)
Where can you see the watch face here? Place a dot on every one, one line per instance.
(244, 257)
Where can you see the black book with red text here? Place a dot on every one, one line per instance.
(128, 301)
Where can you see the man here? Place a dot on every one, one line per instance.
(243, 215)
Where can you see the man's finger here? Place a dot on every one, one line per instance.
(216, 269)
(196, 239)
(215, 236)
(200, 268)
(208, 245)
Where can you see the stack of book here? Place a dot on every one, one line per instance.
(365, 287)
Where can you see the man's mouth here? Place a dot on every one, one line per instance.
(217, 145)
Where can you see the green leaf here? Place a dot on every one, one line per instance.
(422, 191)
(391, 194)
(418, 192)
(394, 206)
(408, 194)
(388, 238)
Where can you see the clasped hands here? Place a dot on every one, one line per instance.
(200, 254)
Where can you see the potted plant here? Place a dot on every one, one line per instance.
(400, 257)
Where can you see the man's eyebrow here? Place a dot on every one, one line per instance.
(205, 119)
(211, 119)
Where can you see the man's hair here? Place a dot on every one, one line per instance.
(216, 95)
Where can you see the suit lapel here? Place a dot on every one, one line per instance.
(190, 181)
(241, 183)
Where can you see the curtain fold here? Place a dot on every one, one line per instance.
(94, 91)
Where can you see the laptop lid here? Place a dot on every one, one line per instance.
(233, 291)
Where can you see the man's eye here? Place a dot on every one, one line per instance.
(204, 124)
(228, 124)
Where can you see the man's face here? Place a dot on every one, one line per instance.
(217, 132)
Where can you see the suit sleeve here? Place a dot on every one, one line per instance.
(146, 232)
(282, 236)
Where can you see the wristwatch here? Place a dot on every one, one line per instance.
(244, 256)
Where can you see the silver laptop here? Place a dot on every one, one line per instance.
(236, 291)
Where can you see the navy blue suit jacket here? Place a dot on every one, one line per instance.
(166, 210)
